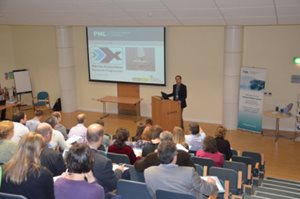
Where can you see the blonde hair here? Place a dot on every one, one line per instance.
(220, 132)
(26, 160)
(6, 129)
(178, 135)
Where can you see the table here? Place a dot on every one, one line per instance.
(277, 115)
(121, 100)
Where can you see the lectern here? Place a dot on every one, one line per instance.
(166, 113)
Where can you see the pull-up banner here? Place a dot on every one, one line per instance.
(252, 87)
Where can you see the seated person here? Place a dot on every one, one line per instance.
(119, 145)
(195, 139)
(23, 173)
(34, 122)
(146, 134)
(183, 157)
(78, 182)
(7, 147)
(171, 177)
(210, 151)
(61, 128)
(152, 145)
(222, 144)
(179, 139)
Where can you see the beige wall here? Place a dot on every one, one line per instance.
(197, 53)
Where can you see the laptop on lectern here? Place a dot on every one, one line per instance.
(164, 95)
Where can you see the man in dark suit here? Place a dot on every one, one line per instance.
(102, 170)
(179, 94)
(50, 159)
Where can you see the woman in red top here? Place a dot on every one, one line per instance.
(119, 145)
(210, 151)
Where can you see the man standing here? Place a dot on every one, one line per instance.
(179, 94)
(186, 179)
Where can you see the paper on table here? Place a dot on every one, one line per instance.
(115, 166)
(218, 183)
(73, 139)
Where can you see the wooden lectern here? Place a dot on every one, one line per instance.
(166, 113)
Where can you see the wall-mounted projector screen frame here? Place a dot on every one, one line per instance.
(127, 55)
(22, 81)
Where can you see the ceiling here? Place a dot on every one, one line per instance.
(149, 12)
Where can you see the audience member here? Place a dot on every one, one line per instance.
(50, 158)
(19, 119)
(79, 129)
(34, 122)
(179, 139)
(210, 150)
(152, 145)
(78, 182)
(61, 128)
(103, 166)
(171, 177)
(222, 144)
(24, 175)
(146, 135)
(57, 141)
(107, 138)
(139, 130)
(119, 145)
(195, 139)
(183, 157)
(7, 147)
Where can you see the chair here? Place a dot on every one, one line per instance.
(41, 101)
(257, 157)
(11, 196)
(135, 175)
(203, 161)
(132, 190)
(238, 166)
(248, 161)
(164, 194)
(118, 158)
(199, 169)
(226, 174)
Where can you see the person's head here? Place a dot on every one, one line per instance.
(6, 129)
(79, 159)
(121, 137)
(220, 132)
(194, 128)
(166, 136)
(52, 121)
(19, 117)
(26, 159)
(45, 130)
(178, 79)
(166, 151)
(57, 114)
(210, 144)
(149, 122)
(95, 134)
(80, 118)
(38, 113)
(155, 132)
(178, 135)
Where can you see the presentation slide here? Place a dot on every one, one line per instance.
(127, 54)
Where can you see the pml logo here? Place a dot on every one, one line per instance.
(107, 55)
(100, 34)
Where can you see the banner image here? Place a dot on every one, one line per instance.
(252, 87)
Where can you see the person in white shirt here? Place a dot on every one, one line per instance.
(195, 139)
(19, 119)
(57, 139)
(34, 122)
(79, 129)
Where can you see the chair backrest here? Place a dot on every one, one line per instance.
(132, 190)
(11, 196)
(238, 166)
(42, 95)
(226, 174)
(199, 169)
(135, 175)
(164, 194)
(118, 158)
(246, 160)
(203, 161)
(234, 152)
(255, 156)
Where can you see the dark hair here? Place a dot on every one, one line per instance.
(18, 116)
(178, 76)
(166, 151)
(149, 121)
(210, 145)
(38, 113)
(139, 130)
(220, 132)
(155, 131)
(121, 137)
(79, 159)
(52, 120)
(194, 128)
